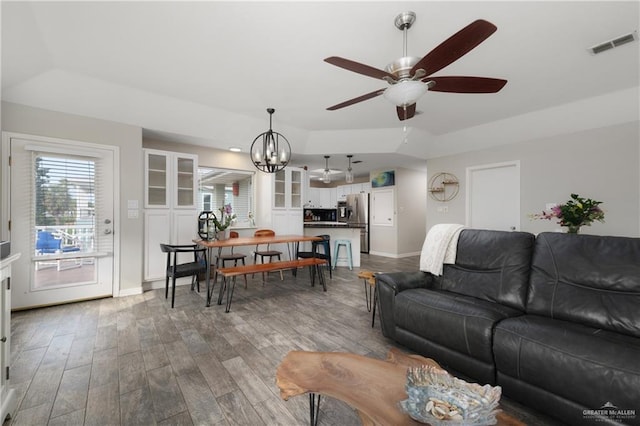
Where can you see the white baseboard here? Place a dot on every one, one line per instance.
(130, 292)
(394, 255)
(155, 285)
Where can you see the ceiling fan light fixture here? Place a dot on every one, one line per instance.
(405, 93)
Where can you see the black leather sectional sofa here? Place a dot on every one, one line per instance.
(553, 319)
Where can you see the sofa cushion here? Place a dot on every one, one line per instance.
(579, 363)
(462, 323)
(490, 265)
(587, 279)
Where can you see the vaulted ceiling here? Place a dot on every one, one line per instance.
(205, 72)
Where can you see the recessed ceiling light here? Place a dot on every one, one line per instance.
(235, 149)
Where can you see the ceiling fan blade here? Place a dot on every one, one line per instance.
(455, 46)
(405, 113)
(356, 100)
(358, 67)
(457, 84)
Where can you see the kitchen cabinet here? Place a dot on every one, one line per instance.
(288, 188)
(287, 222)
(7, 395)
(171, 215)
(170, 179)
(355, 188)
(325, 198)
(322, 198)
(164, 226)
(313, 197)
(288, 199)
(342, 192)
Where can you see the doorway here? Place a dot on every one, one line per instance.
(493, 196)
(61, 215)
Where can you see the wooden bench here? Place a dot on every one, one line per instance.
(283, 265)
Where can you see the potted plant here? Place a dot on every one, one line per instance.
(227, 217)
(575, 213)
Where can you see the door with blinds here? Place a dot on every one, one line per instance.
(61, 216)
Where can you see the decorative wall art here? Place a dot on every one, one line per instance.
(384, 179)
(443, 187)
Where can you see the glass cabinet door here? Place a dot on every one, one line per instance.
(185, 181)
(157, 180)
(279, 196)
(296, 189)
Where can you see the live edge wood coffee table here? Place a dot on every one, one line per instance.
(373, 387)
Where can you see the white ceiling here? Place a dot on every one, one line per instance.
(205, 72)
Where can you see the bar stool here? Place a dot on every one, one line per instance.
(325, 243)
(347, 246)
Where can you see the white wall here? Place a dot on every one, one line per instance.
(35, 121)
(412, 210)
(603, 164)
(407, 234)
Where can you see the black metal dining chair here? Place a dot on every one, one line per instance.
(188, 269)
(325, 254)
(268, 252)
(232, 257)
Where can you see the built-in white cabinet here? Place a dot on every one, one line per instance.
(287, 222)
(288, 188)
(7, 395)
(288, 200)
(166, 226)
(170, 179)
(171, 215)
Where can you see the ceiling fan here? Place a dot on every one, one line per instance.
(410, 77)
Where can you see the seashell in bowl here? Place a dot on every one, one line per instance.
(438, 398)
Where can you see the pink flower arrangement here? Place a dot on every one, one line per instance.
(574, 213)
(224, 222)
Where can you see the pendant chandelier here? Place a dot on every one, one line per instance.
(270, 151)
(348, 176)
(326, 176)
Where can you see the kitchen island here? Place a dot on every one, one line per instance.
(337, 231)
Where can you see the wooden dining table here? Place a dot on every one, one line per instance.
(292, 242)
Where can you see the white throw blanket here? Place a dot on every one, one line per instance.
(440, 247)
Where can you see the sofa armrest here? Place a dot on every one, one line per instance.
(388, 286)
(401, 281)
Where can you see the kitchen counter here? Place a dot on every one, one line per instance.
(325, 224)
(336, 231)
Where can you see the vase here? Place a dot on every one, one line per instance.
(222, 235)
(573, 229)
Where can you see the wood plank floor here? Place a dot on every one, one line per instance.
(135, 361)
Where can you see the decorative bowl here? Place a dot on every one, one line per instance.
(439, 399)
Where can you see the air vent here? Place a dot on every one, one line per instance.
(616, 42)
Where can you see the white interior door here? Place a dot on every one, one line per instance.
(62, 220)
(493, 196)
(382, 208)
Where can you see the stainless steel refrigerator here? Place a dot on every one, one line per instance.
(358, 217)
